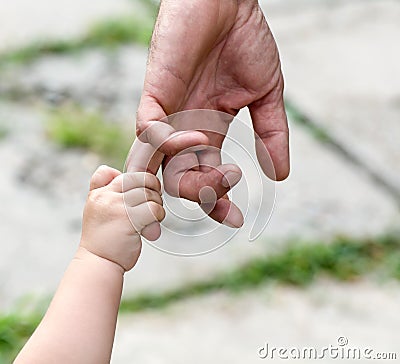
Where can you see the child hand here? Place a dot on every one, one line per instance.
(118, 207)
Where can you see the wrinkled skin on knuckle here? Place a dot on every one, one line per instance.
(140, 124)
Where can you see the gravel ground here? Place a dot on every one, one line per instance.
(232, 329)
(24, 21)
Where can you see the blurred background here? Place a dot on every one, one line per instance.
(328, 264)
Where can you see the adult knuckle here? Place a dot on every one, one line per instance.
(140, 124)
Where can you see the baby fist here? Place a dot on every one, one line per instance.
(118, 208)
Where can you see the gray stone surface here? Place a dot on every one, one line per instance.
(109, 81)
(231, 329)
(324, 196)
(24, 21)
(43, 192)
(341, 64)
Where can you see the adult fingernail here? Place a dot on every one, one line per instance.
(230, 179)
(207, 195)
(234, 219)
(233, 222)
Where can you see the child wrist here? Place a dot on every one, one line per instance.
(86, 254)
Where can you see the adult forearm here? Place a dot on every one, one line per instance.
(79, 325)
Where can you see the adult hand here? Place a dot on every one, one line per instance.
(219, 55)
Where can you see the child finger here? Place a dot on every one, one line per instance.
(130, 181)
(140, 195)
(145, 214)
(103, 176)
(152, 232)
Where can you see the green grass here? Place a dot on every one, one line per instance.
(299, 264)
(15, 329)
(107, 33)
(119, 30)
(73, 127)
(316, 131)
(151, 6)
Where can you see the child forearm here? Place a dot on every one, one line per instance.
(79, 325)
